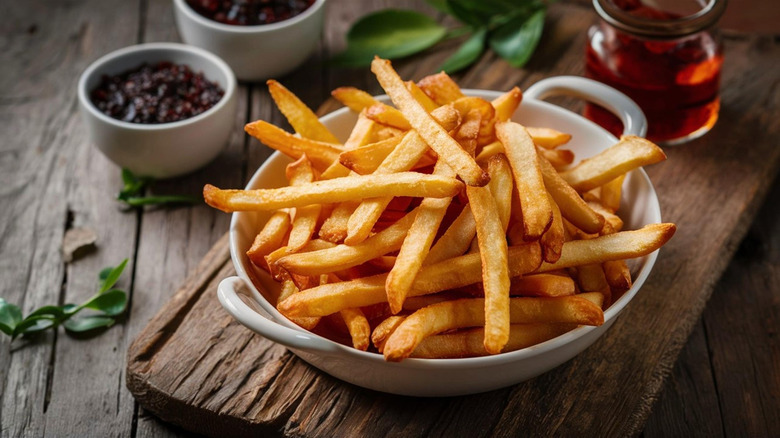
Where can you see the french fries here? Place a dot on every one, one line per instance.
(441, 228)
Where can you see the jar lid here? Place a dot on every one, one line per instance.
(660, 28)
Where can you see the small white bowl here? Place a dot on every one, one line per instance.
(447, 377)
(167, 149)
(256, 52)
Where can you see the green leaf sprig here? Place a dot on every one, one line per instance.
(132, 193)
(511, 28)
(108, 303)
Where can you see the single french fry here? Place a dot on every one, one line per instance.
(486, 111)
(299, 173)
(631, 152)
(573, 208)
(559, 158)
(456, 240)
(271, 259)
(501, 185)
(289, 288)
(354, 98)
(334, 229)
(446, 275)
(358, 327)
(552, 240)
(420, 96)
(468, 343)
(542, 285)
(495, 270)
(301, 118)
(384, 330)
(591, 278)
(548, 138)
(524, 161)
(362, 133)
(489, 150)
(387, 115)
(436, 137)
(618, 275)
(612, 222)
(270, 238)
(617, 246)
(320, 154)
(417, 244)
(468, 132)
(345, 256)
(349, 188)
(611, 193)
(507, 104)
(462, 313)
(366, 159)
(440, 88)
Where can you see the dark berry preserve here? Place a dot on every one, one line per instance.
(249, 12)
(159, 93)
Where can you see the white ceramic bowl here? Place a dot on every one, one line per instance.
(447, 377)
(167, 149)
(254, 52)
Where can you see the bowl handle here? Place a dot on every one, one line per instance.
(634, 121)
(227, 291)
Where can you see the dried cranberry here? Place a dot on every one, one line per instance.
(161, 93)
(249, 12)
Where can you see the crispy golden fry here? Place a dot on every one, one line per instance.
(420, 96)
(611, 193)
(524, 161)
(301, 118)
(612, 222)
(507, 104)
(618, 275)
(271, 259)
(334, 229)
(631, 152)
(366, 159)
(542, 285)
(358, 327)
(456, 240)
(449, 315)
(384, 330)
(345, 256)
(417, 244)
(489, 150)
(270, 238)
(486, 111)
(383, 262)
(403, 158)
(559, 158)
(495, 270)
(552, 240)
(449, 274)
(548, 138)
(387, 115)
(468, 343)
(468, 132)
(382, 132)
(440, 88)
(417, 303)
(362, 133)
(618, 246)
(501, 185)
(289, 288)
(349, 188)
(354, 98)
(320, 154)
(573, 208)
(436, 137)
(305, 221)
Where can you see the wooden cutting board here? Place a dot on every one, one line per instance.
(196, 367)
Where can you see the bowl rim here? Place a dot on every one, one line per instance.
(449, 363)
(92, 70)
(244, 30)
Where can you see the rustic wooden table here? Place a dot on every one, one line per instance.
(725, 383)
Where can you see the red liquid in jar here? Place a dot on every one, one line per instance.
(674, 82)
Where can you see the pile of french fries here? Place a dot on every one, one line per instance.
(440, 228)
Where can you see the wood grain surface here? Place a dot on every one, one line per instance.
(197, 368)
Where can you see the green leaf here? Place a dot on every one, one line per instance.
(390, 34)
(468, 52)
(112, 277)
(54, 311)
(466, 13)
(160, 200)
(516, 40)
(441, 5)
(133, 185)
(70, 309)
(10, 316)
(88, 323)
(33, 324)
(111, 303)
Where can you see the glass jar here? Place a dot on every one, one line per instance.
(665, 55)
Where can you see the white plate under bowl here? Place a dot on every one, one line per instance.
(444, 377)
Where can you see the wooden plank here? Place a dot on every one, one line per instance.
(45, 186)
(607, 390)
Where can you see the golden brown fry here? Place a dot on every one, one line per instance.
(345, 256)
(501, 185)
(366, 159)
(489, 150)
(301, 118)
(358, 327)
(289, 288)
(449, 274)
(387, 115)
(631, 152)
(440, 88)
(488, 115)
(507, 104)
(524, 161)
(270, 259)
(420, 96)
(462, 313)
(612, 222)
(559, 158)
(334, 229)
(384, 330)
(320, 154)
(436, 137)
(573, 208)
(468, 132)
(552, 239)
(618, 246)
(548, 138)
(270, 238)
(495, 270)
(542, 285)
(354, 98)
(456, 240)
(300, 173)
(618, 275)
(611, 193)
(349, 188)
